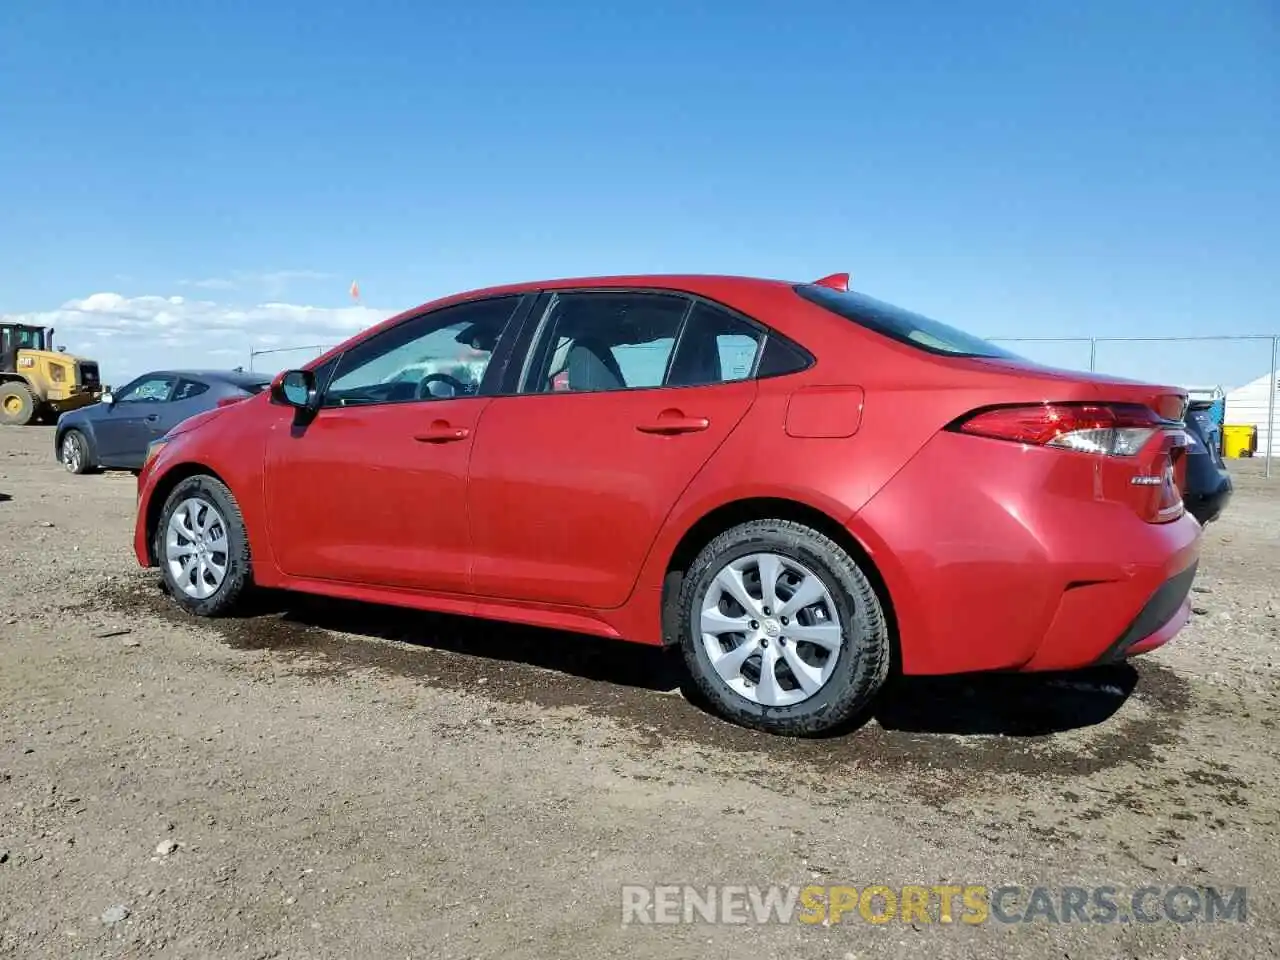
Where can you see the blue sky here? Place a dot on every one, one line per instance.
(179, 181)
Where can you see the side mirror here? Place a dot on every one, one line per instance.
(297, 389)
(109, 398)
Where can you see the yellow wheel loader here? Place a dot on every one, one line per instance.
(37, 380)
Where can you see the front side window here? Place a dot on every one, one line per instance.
(438, 355)
(31, 338)
(901, 325)
(146, 390)
(605, 341)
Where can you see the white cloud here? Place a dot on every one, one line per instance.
(211, 283)
(274, 282)
(131, 335)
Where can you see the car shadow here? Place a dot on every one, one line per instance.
(5, 498)
(1005, 704)
(1008, 704)
(587, 657)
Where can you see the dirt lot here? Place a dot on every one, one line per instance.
(346, 781)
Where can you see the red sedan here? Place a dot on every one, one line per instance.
(796, 483)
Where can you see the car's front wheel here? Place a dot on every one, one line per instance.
(17, 404)
(782, 630)
(202, 547)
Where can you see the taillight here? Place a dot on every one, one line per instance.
(1111, 429)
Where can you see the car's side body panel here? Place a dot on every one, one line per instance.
(357, 496)
(568, 491)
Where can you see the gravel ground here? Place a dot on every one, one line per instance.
(328, 780)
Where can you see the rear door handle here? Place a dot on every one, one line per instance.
(671, 422)
(154, 418)
(442, 432)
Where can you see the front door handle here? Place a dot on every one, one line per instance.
(154, 418)
(441, 431)
(671, 422)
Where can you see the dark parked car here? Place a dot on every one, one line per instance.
(117, 431)
(1208, 484)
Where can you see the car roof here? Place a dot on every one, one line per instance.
(237, 378)
(723, 287)
(707, 284)
(740, 292)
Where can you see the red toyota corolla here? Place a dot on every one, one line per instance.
(796, 483)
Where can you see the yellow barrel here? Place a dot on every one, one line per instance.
(1239, 440)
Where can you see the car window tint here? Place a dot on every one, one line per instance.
(606, 341)
(780, 358)
(146, 390)
(441, 354)
(901, 325)
(715, 347)
(188, 389)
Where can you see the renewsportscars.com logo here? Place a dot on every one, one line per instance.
(940, 903)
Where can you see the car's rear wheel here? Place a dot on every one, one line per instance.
(782, 630)
(74, 452)
(202, 547)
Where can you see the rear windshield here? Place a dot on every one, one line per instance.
(901, 325)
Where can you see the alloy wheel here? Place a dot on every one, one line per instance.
(771, 629)
(196, 548)
(71, 456)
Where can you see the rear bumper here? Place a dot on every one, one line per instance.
(1164, 615)
(994, 561)
(1207, 505)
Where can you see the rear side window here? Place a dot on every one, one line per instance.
(605, 341)
(626, 340)
(901, 325)
(715, 347)
(188, 389)
(780, 358)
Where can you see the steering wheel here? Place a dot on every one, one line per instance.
(424, 393)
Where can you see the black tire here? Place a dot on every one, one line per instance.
(862, 662)
(17, 404)
(82, 460)
(239, 574)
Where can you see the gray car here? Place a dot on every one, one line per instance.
(116, 432)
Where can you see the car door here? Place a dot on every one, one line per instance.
(373, 489)
(123, 429)
(624, 396)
